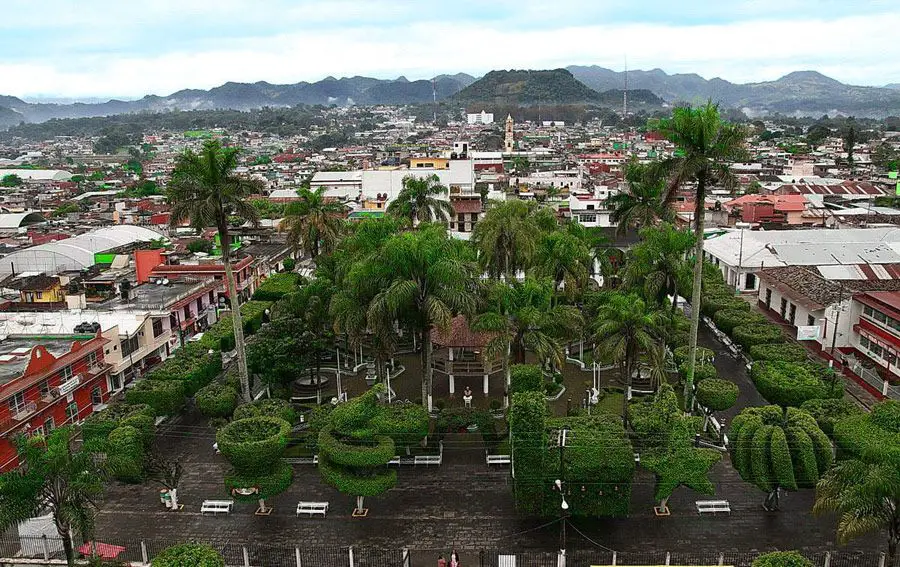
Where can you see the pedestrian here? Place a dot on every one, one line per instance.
(454, 559)
(441, 561)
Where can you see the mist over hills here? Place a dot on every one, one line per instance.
(799, 93)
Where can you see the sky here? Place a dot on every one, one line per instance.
(87, 49)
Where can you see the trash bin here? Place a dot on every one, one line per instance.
(167, 498)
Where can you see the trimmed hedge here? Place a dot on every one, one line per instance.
(221, 335)
(749, 335)
(703, 371)
(789, 385)
(191, 364)
(525, 378)
(872, 437)
(189, 555)
(785, 352)
(253, 445)
(827, 412)
(166, 397)
(717, 395)
(719, 300)
(269, 483)
(277, 286)
(267, 407)
(365, 454)
(216, 400)
(728, 319)
(125, 454)
(99, 425)
(781, 559)
(682, 353)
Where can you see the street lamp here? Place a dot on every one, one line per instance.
(564, 506)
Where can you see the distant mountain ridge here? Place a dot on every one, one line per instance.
(800, 93)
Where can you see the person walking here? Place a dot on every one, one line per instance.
(441, 561)
(454, 559)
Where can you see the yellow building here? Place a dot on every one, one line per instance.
(36, 289)
(430, 163)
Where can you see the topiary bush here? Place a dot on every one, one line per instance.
(191, 364)
(277, 286)
(406, 424)
(189, 555)
(525, 378)
(216, 400)
(701, 371)
(873, 437)
(271, 407)
(722, 299)
(784, 352)
(781, 559)
(788, 384)
(125, 454)
(716, 395)
(99, 425)
(166, 397)
(727, 319)
(682, 353)
(254, 444)
(758, 334)
(827, 412)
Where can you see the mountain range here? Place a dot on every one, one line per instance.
(800, 93)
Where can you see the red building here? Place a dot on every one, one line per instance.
(47, 383)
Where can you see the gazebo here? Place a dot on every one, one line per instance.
(459, 352)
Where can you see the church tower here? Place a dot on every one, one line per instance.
(509, 142)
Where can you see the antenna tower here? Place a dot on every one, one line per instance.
(625, 92)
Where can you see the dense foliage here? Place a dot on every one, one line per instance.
(717, 395)
(873, 437)
(757, 334)
(189, 555)
(216, 400)
(781, 559)
(526, 378)
(788, 384)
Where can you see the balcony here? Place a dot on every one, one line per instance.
(25, 411)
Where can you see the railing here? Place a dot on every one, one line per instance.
(873, 379)
(26, 410)
(466, 367)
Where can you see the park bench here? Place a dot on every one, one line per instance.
(312, 508)
(498, 459)
(713, 506)
(216, 506)
(428, 459)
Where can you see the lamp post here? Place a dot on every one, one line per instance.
(563, 508)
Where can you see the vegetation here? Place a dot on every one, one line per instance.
(781, 559)
(189, 555)
(254, 446)
(419, 200)
(313, 224)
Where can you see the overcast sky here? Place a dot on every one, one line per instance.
(129, 48)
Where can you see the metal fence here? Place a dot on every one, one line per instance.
(263, 555)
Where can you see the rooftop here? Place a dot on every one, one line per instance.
(808, 286)
(15, 352)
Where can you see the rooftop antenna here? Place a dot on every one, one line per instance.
(625, 92)
(434, 98)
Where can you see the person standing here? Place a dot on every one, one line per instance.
(454, 559)
(441, 561)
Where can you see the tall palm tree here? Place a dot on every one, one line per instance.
(565, 259)
(524, 318)
(625, 328)
(507, 237)
(641, 205)
(867, 497)
(313, 224)
(707, 145)
(420, 200)
(656, 262)
(205, 190)
(423, 282)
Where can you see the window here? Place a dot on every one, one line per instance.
(45, 388)
(793, 313)
(17, 402)
(783, 307)
(810, 321)
(96, 396)
(129, 346)
(750, 281)
(72, 413)
(157, 327)
(92, 359)
(66, 373)
(40, 295)
(49, 424)
(768, 298)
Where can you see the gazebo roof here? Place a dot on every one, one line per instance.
(459, 334)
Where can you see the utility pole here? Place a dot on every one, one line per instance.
(625, 92)
(560, 483)
(837, 318)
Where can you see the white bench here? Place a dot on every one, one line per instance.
(713, 506)
(216, 506)
(428, 459)
(498, 459)
(394, 461)
(312, 508)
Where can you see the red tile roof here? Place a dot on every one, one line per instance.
(459, 334)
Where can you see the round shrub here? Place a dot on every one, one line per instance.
(359, 455)
(758, 334)
(717, 395)
(785, 352)
(253, 444)
(682, 353)
(216, 400)
(270, 407)
(268, 483)
(98, 425)
(189, 555)
(166, 397)
(726, 299)
(145, 426)
(525, 378)
(827, 412)
(701, 372)
(728, 319)
(125, 454)
(787, 384)
(406, 424)
(781, 559)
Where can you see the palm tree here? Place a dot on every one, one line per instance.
(420, 201)
(641, 205)
(625, 328)
(565, 259)
(313, 223)
(867, 496)
(524, 318)
(656, 262)
(423, 281)
(706, 145)
(507, 237)
(205, 190)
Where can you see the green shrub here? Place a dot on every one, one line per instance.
(216, 400)
(827, 412)
(785, 352)
(267, 407)
(749, 335)
(125, 454)
(144, 424)
(289, 264)
(862, 436)
(165, 397)
(721, 299)
(191, 364)
(98, 425)
(701, 371)
(787, 384)
(406, 424)
(886, 415)
(717, 395)
(277, 286)
(727, 319)
(525, 378)
(254, 444)
(189, 555)
(268, 483)
(781, 559)
(221, 335)
(682, 353)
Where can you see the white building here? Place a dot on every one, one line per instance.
(480, 118)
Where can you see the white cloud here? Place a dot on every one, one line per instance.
(858, 49)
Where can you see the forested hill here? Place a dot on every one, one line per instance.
(556, 86)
